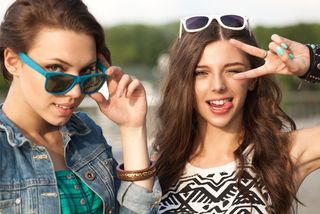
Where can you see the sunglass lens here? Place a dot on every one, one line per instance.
(232, 21)
(196, 22)
(59, 83)
(93, 84)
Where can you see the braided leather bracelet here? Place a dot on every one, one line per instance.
(136, 175)
(313, 74)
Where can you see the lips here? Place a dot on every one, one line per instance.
(219, 102)
(65, 107)
(220, 106)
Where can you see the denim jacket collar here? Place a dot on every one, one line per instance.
(75, 126)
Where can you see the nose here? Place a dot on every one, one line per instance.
(218, 83)
(75, 92)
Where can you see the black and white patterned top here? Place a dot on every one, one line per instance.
(215, 190)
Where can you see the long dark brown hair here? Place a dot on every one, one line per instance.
(25, 18)
(265, 125)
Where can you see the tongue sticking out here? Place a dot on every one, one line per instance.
(221, 107)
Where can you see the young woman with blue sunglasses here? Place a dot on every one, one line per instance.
(53, 159)
(225, 145)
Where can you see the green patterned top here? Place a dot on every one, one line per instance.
(75, 196)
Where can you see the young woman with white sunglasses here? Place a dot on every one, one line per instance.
(224, 145)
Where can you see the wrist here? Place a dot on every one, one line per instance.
(132, 130)
(313, 73)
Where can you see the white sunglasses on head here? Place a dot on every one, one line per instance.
(193, 24)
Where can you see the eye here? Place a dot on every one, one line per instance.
(200, 73)
(54, 68)
(89, 70)
(234, 71)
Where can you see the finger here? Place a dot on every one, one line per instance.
(272, 46)
(134, 85)
(282, 41)
(285, 55)
(281, 52)
(253, 73)
(100, 100)
(123, 84)
(98, 97)
(252, 50)
(115, 73)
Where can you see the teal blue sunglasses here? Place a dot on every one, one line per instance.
(61, 83)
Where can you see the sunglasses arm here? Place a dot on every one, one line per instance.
(180, 30)
(248, 26)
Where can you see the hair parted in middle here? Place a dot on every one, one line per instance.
(265, 124)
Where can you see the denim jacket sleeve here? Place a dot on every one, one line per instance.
(136, 199)
(132, 198)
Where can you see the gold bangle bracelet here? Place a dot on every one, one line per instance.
(136, 175)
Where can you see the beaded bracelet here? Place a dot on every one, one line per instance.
(136, 175)
(313, 74)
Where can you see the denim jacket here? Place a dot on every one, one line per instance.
(27, 178)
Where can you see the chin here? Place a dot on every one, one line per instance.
(59, 122)
(219, 124)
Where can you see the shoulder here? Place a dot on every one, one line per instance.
(305, 150)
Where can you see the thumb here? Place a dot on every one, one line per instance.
(102, 102)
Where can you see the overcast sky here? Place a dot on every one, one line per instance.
(267, 12)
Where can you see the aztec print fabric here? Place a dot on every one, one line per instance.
(215, 190)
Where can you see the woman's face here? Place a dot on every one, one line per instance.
(55, 50)
(220, 97)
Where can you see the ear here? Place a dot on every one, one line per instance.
(252, 84)
(12, 62)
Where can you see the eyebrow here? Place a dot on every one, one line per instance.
(225, 66)
(234, 64)
(69, 65)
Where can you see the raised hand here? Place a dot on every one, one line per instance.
(283, 57)
(127, 105)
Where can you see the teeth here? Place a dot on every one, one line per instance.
(64, 107)
(219, 102)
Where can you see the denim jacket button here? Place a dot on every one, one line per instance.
(69, 176)
(18, 201)
(82, 201)
(89, 176)
(108, 211)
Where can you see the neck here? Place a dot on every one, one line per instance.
(215, 146)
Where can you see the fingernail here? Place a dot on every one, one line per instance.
(291, 56)
(283, 45)
(279, 51)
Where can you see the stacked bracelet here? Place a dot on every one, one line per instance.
(136, 175)
(313, 74)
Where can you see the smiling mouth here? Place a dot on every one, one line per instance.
(220, 102)
(64, 107)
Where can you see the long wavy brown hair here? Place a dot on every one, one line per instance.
(265, 124)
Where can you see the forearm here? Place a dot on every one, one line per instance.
(135, 152)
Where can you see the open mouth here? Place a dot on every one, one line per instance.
(64, 107)
(220, 106)
(220, 102)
